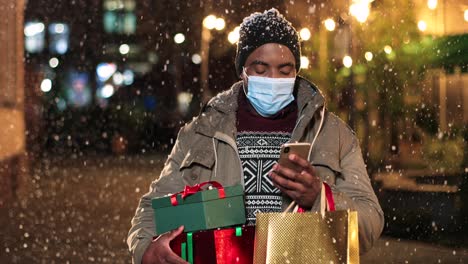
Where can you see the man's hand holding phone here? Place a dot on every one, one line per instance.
(295, 176)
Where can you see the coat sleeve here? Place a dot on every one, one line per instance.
(353, 190)
(169, 181)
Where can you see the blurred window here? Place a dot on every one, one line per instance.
(34, 33)
(119, 16)
(58, 38)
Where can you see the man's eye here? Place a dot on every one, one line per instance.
(260, 71)
(285, 73)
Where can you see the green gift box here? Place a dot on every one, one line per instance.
(200, 210)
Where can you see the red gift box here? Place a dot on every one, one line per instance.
(220, 246)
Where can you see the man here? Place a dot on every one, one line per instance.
(237, 138)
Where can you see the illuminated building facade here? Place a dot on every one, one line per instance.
(12, 111)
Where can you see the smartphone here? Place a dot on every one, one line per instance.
(300, 149)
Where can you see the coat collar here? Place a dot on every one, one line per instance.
(220, 112)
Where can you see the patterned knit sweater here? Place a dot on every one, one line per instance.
(259, 140)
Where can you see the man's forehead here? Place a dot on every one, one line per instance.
(281, 63)
(273, 46)
(282, 47)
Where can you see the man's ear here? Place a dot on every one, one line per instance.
(243, 75)
(244, 79)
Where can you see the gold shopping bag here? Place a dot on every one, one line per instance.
(311, 237)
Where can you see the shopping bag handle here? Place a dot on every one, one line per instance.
(327, 202)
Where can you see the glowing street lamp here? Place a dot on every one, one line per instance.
(107, 91)
(422, 25)
(388, 49)
(233, 36)
(369, 56)
(54, 62)
(360, 10)
(196, 58)
(46, 85)
(179, 38)
(465, 15)
(210, 22)
(347, 61)
(304, 62)
(219, 24)
(330, 24)
(124, 49)
(305, 34)
(432, 4)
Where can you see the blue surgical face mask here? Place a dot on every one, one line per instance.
(269, 95)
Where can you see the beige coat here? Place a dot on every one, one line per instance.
(206, 150)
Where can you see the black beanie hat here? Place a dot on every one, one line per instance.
(262, 28)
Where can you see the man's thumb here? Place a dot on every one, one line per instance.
(174, 233)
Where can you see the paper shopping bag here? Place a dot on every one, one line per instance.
(311, 237)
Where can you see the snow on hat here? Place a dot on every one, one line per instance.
(262, 28)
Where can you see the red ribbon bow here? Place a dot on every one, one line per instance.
(189, 190)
